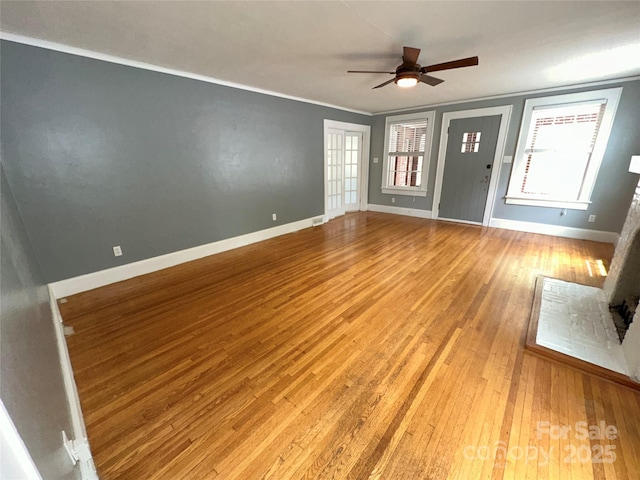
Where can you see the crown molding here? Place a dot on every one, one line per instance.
(59, 47)
(512, 94)
(36, 42)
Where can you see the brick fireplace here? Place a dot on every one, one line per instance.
(622, 286)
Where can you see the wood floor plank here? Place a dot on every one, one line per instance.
(373, 346)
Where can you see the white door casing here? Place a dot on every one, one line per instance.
(505, 112)
(332, 127)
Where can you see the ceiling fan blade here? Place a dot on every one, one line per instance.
(429, 80)
(385, 83)
(463, 62)
(368, 71)
(410, 54)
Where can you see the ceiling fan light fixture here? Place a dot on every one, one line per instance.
(410, 73)
(407, 82)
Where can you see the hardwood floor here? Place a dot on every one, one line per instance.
(374, 346)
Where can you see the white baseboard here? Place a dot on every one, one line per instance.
(556, 230)
(411, 212)
(87, 467)
(455, 220)
(83, 283)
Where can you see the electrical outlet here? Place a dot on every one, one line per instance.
(117, 251)
(393, 199)
(375, 159)
(274, 217)
(592, 218)
(507, 159)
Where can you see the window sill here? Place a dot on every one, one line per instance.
(404, 191)
(532, 202)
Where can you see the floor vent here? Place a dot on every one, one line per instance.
(317, 221)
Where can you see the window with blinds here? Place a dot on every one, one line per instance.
(407, 144)
(560, 149)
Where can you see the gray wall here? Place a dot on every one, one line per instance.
(31, 385)
(614, 186)
(100, 154)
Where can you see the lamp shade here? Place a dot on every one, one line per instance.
(406, 82)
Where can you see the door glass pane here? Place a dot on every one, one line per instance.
(352, 153)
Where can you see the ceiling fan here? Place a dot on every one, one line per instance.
(410, 72)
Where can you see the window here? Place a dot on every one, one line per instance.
(560, 149)
(407, 149)
(470, 142)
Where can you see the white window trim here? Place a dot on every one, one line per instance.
(612, 98)
(420, 191)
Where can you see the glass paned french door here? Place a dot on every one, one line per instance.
(352, 153)
(335, 172)
(345, 167)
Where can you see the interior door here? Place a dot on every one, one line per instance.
(471, 148)
(352, 156)
(335, 172)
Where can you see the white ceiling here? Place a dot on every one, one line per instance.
(304, 49)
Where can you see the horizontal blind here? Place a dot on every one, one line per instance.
(565, 128)
(560, 141)
(407, 137)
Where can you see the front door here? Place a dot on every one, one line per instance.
(471, 148)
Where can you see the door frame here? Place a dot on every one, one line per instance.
(364, 159)
(505, 112)
(15, 449)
